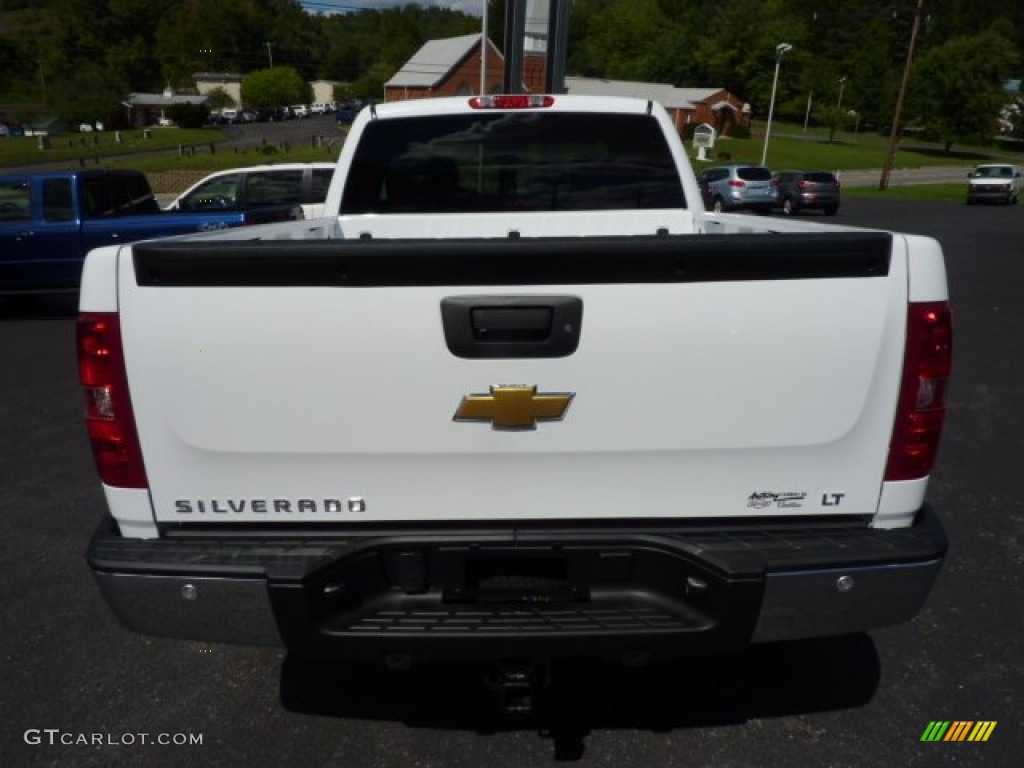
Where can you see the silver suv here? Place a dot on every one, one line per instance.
(736, 187)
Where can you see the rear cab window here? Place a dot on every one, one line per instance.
(507, 162)
(754, 173)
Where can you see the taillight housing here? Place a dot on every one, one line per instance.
(737, 183)
(108, 409)
(512, 101)
(922, 403)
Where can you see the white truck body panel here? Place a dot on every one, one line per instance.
(689, 399)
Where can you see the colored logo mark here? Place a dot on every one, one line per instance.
(958, 730)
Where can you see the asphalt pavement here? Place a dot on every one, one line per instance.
(79, 690)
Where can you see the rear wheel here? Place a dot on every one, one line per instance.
(831, 210)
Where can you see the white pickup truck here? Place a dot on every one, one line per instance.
(519, 397)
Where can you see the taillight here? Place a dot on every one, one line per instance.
(512, 101)
(805, 185)
(922, 404)
(737, 183)
(108, 408)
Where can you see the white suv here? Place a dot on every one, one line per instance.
(302, 184)
(301, 110)
(993, 183)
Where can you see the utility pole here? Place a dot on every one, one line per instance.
(42, 80)
(894, 134)
(270, 54)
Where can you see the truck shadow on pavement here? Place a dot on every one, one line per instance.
(766, 681)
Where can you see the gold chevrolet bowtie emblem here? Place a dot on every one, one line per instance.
(514, 407)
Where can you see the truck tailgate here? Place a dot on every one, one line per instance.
(693, 376)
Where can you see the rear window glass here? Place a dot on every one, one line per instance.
(754, 173)
(528, 161)
(274, 187)
(118, 195)
(821, 178)
(320, 182)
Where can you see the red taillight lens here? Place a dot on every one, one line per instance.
(512, 101)
(737, 183)
(922, 404)
(108, 408)
(805, 185)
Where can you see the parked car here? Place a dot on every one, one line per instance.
(300, 110)
(993, 183)
(736, 187)
(808, 190)
(302, 184)
(11, 130)
(49, 221)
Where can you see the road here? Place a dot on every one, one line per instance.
(908, 176)
(863, 700)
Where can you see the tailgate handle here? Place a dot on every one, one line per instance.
(511, 326)
(511, 323)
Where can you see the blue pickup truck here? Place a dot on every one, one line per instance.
(50, 221)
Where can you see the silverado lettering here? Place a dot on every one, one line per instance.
(258, 506)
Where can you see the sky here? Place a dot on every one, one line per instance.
(474, 7)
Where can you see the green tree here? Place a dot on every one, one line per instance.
(218, 98)
(957, 87)
(267, 88)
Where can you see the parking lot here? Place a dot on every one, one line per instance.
(72, 674)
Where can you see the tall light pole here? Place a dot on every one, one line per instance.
(780, 50)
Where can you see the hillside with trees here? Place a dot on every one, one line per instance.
(79, 58)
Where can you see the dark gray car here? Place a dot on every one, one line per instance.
(808, 190)
(737, 187)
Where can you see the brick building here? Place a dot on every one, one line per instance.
(448, 67)
(451, 67)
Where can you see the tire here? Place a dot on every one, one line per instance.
(788, 207)
(831, 210)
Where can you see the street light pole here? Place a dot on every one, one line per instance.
(780, 49)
